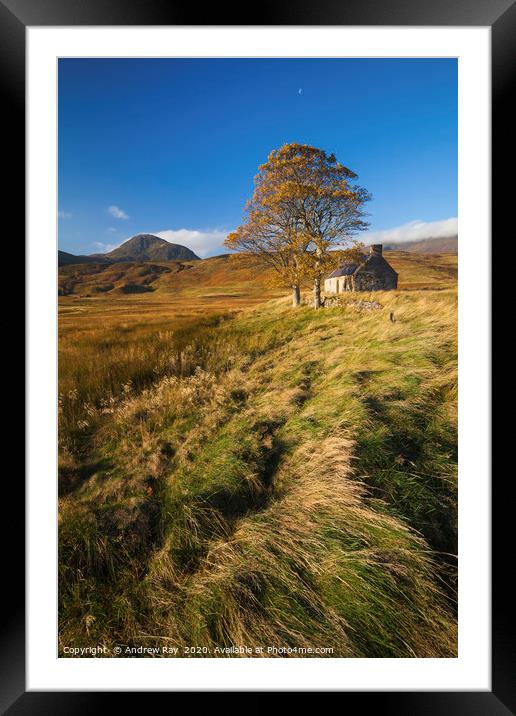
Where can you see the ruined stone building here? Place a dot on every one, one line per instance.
(371, 273)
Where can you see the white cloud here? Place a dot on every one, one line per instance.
(64, 214)
(210, 242)
(104, 248)
(117, 212)
(203, 243)
(413, 231)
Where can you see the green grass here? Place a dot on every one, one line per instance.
(284, 477)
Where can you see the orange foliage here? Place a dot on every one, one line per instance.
(304, 205)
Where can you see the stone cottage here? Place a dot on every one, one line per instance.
(372, 273)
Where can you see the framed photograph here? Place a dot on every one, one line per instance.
(258, 367)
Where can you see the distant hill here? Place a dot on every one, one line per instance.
(142, 247)
(448, 245)
(66, 259)
(147, 247)
(231, 279)
(113, 276)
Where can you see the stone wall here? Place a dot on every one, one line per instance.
(341, 301)
(381, 281)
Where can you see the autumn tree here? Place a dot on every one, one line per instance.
(330, 204)
(273, 230)
(304, 205)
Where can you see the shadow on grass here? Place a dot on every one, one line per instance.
(74, 477)
(218, 513)
(409, 459)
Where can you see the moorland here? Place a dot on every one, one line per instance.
(235, 471)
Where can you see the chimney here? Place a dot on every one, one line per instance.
(376, 249)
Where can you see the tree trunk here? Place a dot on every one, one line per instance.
(317, 293)
(296, 295)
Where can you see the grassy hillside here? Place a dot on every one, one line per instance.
(233, 278)
(272, 477)
(66, 259)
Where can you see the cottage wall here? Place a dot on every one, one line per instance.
(331, 285)
(362, 281)
(376, 274)
(339, 284)
(373, 274)
(377, 281)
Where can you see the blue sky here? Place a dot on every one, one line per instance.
(171, 146)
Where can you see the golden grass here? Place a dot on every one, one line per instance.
(319, 566)
(278, 477)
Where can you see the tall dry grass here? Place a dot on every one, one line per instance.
(293, 484)
(321, 565)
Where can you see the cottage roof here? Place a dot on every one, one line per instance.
(347, 268)
(372, 262)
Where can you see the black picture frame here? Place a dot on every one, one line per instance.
(15, 17)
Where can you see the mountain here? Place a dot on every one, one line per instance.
(66, 259)
(147, 247)
(448, 245)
